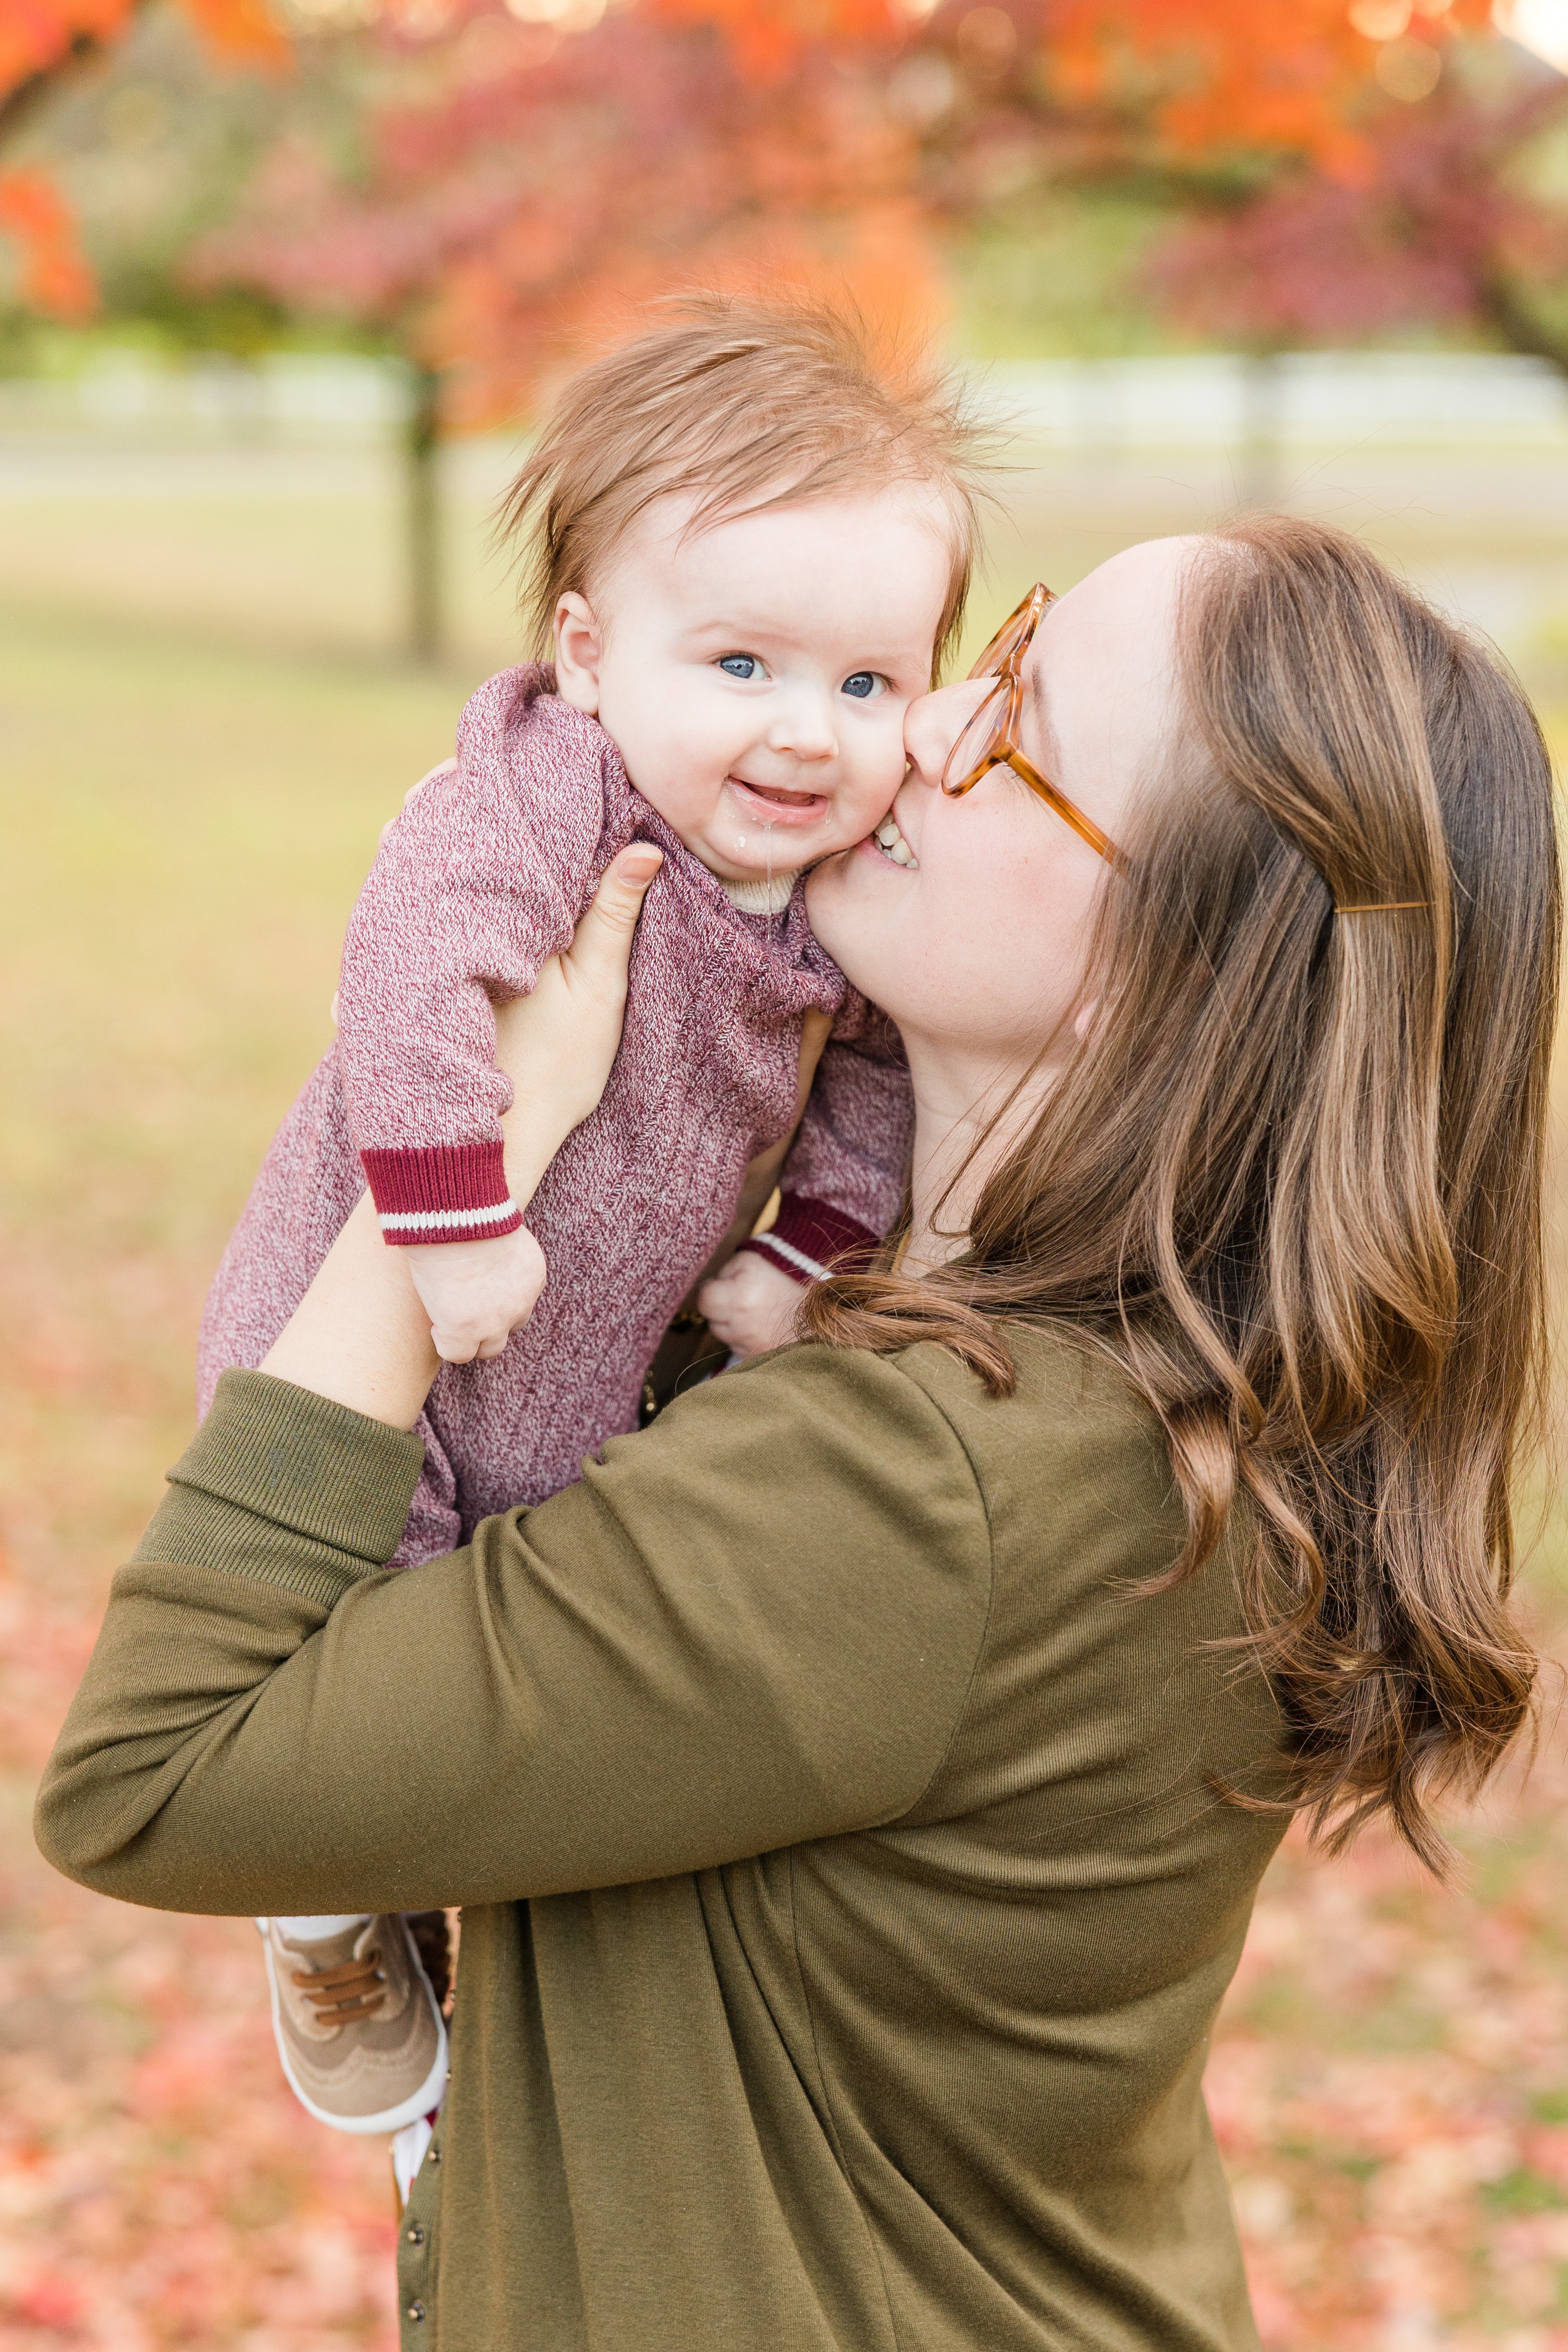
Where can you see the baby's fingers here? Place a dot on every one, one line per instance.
(455, 1348)
(716, 1293)
(466, 1341)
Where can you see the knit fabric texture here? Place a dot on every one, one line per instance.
(481, 880)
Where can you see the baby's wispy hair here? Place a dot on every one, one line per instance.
(739, 402)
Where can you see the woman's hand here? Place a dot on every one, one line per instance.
(558, 1044)
(443, 767)
(360, 1334)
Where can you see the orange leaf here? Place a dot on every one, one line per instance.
(55, 276)
(767, 36)
(242, 29)
(1271, 74)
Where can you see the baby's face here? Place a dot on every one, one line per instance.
(754, 675)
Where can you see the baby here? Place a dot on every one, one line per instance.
(752, 548)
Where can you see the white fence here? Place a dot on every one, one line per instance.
(1323, 398)
(285, 395)
(1311, 397)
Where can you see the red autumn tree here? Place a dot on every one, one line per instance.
(521, 176)
(43, 42)
(1456, 222)
(525, 178)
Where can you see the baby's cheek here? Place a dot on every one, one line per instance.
(866, 793)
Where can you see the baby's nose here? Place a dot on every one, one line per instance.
(806, 729)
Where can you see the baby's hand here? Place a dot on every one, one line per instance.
(751, 1305)
(476, 1293)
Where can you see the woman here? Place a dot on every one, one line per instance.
(858, 1785)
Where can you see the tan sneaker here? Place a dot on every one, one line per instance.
(356, 2025)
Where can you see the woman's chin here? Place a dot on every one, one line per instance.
(833, 881)
(841, 895)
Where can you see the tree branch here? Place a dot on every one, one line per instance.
(21, 103)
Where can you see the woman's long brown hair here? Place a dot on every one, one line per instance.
(1294, 1176)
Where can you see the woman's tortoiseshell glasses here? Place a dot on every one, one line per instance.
(991, 738)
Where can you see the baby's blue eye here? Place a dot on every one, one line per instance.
(863, 683)
(739, 664)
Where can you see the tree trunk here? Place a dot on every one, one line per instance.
(1505, 312)
(421, 446)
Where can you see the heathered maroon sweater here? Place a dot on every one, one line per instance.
(479, 883)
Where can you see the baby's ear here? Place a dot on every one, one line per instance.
(579, 650)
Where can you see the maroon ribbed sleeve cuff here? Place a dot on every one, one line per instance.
(809, 1239)
(442, 1192)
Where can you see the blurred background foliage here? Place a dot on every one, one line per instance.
(279, 285)
(479, 187)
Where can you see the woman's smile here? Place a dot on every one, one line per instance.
(889, 842)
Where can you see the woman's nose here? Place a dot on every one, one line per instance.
(933, 725)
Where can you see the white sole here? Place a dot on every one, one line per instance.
(390, 2119)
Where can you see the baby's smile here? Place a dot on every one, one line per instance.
(776, 805)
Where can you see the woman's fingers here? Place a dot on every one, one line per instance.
(446, 768)
(601, 951)
(559, 1044)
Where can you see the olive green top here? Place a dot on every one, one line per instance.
(847, 1895)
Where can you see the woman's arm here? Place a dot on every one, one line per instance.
(753, 1624)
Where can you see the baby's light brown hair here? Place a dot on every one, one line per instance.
(732, 397)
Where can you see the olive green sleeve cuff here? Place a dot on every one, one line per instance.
(284, 1485)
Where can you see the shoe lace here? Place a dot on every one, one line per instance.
(341, 1996)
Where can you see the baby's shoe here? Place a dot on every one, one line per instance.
(356, 2022)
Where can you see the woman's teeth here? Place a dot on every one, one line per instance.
(888, 838)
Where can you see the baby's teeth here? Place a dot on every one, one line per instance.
(901, 854)
(886, 833)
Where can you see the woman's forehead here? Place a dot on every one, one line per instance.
(1132, 586)
(1101, 664)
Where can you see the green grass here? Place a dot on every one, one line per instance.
(187, 828)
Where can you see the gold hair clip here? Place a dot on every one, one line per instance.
(1390, 907)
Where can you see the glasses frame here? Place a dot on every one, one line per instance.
(1003, 660)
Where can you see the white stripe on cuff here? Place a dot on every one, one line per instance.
(791, 1255)
(439, 1221)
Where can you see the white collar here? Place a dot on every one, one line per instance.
(769, 894)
